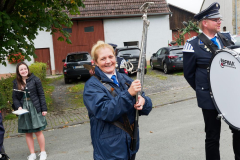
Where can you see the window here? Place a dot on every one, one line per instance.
(224, 28)
(164, 51)
(69, 30)
(133, 52)
(78, 57)
(176, 51)
(89, 29)
(131, 43)
(158, 52)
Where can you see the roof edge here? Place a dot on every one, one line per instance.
(120, 16)
(181, 8)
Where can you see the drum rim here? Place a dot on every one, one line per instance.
(210, 87)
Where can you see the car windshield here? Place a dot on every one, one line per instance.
(134, 52)
(176, 51)
(78, 57)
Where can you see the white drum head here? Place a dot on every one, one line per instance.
(225, 86)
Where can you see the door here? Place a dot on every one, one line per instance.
(83, 35)
(154, 59)
(161, 57)
(43, 55)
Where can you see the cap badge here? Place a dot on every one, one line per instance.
(216, 5)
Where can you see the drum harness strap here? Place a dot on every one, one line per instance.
(226, 42)
(125, 126)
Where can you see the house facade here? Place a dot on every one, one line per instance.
(43, 43)
(179, 15)
(111, 21)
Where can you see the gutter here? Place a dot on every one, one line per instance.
(122, 16)
(202, 5)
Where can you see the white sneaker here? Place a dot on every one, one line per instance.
(43, 155)
(32, 156)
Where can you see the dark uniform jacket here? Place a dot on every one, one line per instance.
(37, 97)
(110, 142)
(195, 52)
(2, 131)
(120, 60)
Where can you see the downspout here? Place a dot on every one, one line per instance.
(236, 17)
(202, 5)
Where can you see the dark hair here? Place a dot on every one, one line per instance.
(19, 77)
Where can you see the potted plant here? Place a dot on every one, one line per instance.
(15, 58)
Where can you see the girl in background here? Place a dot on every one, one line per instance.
(33, 100)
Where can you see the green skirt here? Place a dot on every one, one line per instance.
(31, 121)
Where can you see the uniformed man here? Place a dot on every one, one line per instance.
(120, 61)
(3, 155)
(197, 53)
(2, 131)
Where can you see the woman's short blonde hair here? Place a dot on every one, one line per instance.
(97, 46)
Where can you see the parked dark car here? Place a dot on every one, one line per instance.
(131, 54)
(73, 65)
(168, 59)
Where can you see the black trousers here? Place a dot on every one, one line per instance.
(213, 129)
(133, 157)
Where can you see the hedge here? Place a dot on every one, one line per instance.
(6, 86)
(39, 69)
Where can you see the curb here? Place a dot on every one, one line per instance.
(157, 106)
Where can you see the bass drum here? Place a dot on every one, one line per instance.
(224, 75)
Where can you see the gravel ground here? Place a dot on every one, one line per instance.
(152, 85)
(61, 96)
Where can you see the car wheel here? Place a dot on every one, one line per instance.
(165, 68)
(66, 80)
(151, 64)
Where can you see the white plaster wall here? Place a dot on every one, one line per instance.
(226, 10)
(122, 30)
(11, 68)
(43, 40)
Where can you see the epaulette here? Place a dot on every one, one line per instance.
(191, 38)
(225, 32)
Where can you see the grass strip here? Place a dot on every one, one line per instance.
(154, 74)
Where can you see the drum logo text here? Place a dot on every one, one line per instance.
(227, 63)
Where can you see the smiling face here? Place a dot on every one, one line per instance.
(23, 70)
(213, 25)
(106, 60)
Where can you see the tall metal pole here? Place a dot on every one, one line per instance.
(141, 68)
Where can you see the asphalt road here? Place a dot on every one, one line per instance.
(170, 132)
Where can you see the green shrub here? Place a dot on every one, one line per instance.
(6, 86)
(39, 69)
(10, 116)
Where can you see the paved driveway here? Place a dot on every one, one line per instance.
(170, 132)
